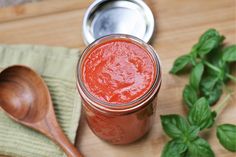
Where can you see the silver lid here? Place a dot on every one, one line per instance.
(105, 17)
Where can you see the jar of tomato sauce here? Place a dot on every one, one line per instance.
(119, 77)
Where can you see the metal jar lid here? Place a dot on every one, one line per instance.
(105, 17)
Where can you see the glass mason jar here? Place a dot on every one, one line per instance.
(120, 123)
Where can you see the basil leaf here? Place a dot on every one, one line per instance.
(224, 70)
(199, 148)
(210, 40)
(214, 94)
(200, 114)
(208, 83)
(174, 148)
(208, 35)
(226, 134)
(209, 45)
(189, 95)
(174, 125)
(180, 63)
(229, 53)
(196, 75)
(211, 88)
(216, 56)
(191, 134)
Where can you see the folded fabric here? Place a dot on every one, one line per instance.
(57, 66)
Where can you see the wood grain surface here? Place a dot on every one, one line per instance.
(179, 24)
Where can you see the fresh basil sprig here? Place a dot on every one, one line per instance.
(185, 131)
(210, 40)
(209, 62)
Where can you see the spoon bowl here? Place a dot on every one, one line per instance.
(23, 94)
(26, 99)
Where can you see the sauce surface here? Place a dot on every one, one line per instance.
(118, 71)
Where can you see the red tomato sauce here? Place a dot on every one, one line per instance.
(118, 71)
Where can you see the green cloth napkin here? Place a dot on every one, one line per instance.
(57, 66)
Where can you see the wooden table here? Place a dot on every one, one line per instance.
(179, 24)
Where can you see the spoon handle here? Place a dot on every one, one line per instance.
(66, 145)
(50, 127)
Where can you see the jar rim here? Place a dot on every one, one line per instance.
(119, 107)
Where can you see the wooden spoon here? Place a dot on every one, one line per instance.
(26, 99)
